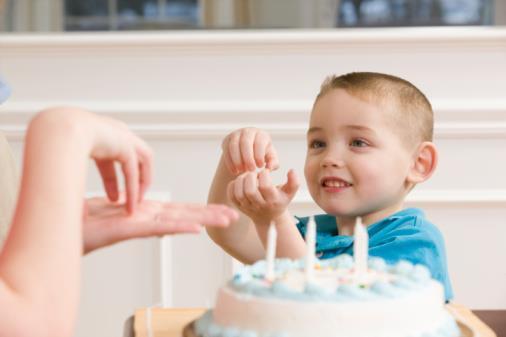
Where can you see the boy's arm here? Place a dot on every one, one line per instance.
(244, 150)
(236, 183)
(255, 195)
(240, 239)
(289, 242)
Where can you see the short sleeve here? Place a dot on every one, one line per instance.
(420, 243)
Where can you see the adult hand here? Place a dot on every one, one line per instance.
(114, 142)
(106, 222)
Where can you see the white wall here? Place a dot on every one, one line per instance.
(184, 91)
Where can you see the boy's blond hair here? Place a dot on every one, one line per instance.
(412, 111)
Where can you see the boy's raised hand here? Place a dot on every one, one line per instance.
(247, 149)
(256, 196)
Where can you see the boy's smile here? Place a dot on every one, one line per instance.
(356, 163)
(332, 184)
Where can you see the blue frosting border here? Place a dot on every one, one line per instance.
(409, 277)
(250, 280)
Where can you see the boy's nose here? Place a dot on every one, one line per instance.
(329, 161)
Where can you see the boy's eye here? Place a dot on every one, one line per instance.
(316, 144)
(358, 143)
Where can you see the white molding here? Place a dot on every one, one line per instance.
(178, 131)
(275, 39)
(297, 131)
(439, 197)
(212, 119)
(239, 107)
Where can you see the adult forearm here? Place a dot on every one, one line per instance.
(40, 261)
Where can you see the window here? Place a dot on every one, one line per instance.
(92, 15)
(367, 13)
(130, 14)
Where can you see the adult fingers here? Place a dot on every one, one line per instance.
(130, 168)
(109, 179)
(209, 215)
(145, 157)
(181, 228)
(230, 213)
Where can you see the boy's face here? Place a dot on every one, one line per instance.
(356, 164)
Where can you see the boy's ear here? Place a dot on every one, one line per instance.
(424, 163)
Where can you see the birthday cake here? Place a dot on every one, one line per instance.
(344, 296)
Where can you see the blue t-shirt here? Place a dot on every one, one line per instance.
(405, 235)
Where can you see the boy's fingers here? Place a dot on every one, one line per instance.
(246, 148)
(234, 151)
(130, 169)
(267, 190)
(271, 158)
(239, 189)
(260, 147)
(109, 179)
(230, 194)
(228, 162)
(292, 184)
(251, 192)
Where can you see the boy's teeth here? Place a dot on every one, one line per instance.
(335, 183)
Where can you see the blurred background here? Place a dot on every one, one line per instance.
(100, 15)
(184, 73)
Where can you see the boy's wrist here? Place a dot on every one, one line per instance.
(225, 170)
(278, 220)
(284, 218)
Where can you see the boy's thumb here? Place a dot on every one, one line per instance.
(292, 184)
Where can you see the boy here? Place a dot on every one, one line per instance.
(369, 143)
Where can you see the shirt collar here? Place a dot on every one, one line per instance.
(405, 212)
(408, 212)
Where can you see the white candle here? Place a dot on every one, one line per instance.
(360, 248)
(271, 251)
(310, 249)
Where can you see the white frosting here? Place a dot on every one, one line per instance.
(392, 317)
(386, 301)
